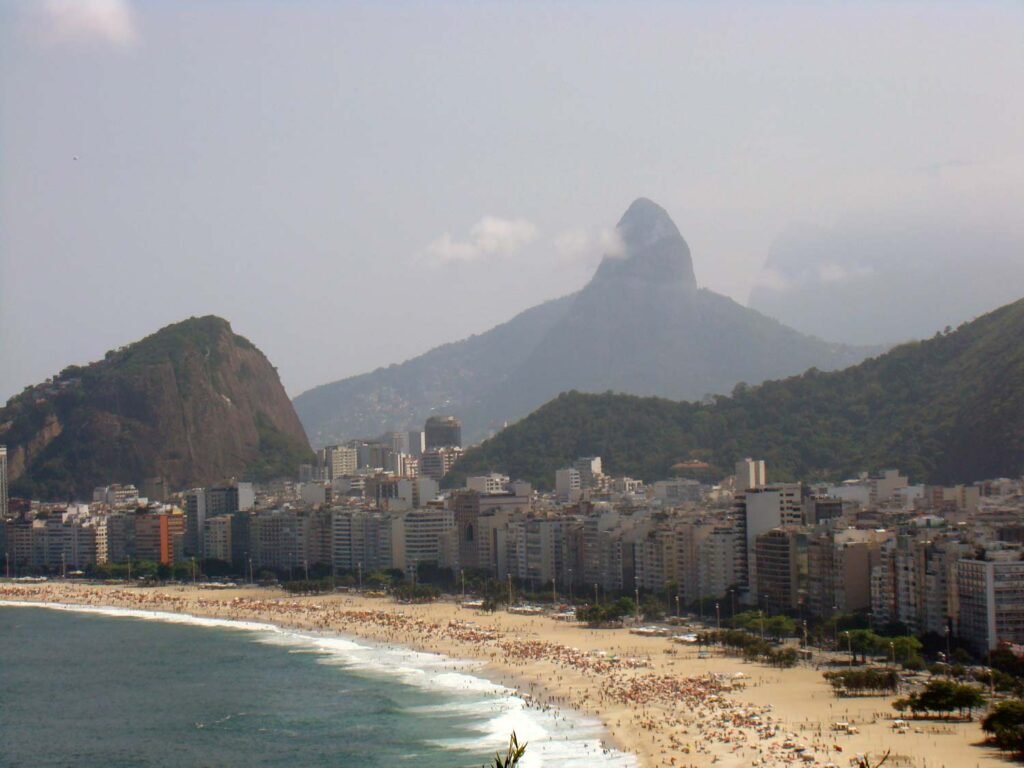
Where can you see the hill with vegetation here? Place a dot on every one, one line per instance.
(191, 404)
(946, 410)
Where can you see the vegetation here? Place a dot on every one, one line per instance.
(1005, 724)
(944, 410)
(192, 403)
(751, 647)
(512, 756)
(857, 682)
(609, 613)
(942, 696)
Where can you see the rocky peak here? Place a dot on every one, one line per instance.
(652, 250)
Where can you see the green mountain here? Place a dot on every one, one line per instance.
(641, 325)
(192, 404)
(946, 410)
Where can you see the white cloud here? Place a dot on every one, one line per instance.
(108, 21)
(581, 244)
(830, 272)
(491, 236)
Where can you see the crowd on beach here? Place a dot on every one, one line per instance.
(686, 721)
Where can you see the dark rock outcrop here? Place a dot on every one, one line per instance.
(192, 404)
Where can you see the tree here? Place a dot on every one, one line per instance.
(1005, 723)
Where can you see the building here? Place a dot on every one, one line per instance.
(781, 556)
(492, 483)
(3, 482)
(195, 522)
(360, 540)
(991, 601)
(750, 474)
(757, 510)
(424, 536)
(437, 462)
(217, 538)
(590, 471)
(442, 432)
(568, 485)
(159, 536)
(340, 460)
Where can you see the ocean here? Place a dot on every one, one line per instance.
(103, 688)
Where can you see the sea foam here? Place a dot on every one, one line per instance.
(556, 736)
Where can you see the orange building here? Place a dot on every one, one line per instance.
(158, 535)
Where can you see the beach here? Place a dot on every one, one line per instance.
(657, 699)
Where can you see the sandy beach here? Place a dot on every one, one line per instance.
(656, 698)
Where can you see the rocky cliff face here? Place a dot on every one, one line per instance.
(192, 404)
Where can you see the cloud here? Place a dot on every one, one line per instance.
(491, 236)
(581, 244)
(107, 21)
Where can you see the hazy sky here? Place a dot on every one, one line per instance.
(351, 184)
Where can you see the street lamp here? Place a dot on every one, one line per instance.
(510, 590)
(677, 606)
(892, 651)
(849, 647)
(570, 586)
(597, 599)
(462, 573)
(718, 617)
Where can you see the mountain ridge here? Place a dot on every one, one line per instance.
(641, 325)
(945, 410)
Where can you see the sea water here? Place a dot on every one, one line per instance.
(108, 687)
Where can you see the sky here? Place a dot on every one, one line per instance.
(351, 184)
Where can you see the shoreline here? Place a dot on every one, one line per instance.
(655, 699)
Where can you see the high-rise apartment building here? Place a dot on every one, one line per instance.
(991, 595)
(750, 474)
(443, 432)
(3, 482)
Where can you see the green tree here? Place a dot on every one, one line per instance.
(1005, 724)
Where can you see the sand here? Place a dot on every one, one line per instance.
(657, 698)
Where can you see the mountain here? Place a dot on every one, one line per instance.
(193, 403)
(640, 326)
(946, 410)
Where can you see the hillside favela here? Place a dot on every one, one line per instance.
(455, 385)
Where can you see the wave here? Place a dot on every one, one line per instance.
(490, 710)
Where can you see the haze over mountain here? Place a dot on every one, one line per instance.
(641, 325)
(945, 410)
(193, 403)
(889, 278)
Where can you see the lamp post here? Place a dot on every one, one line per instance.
(359, 572)
(554, 593)
(947, 642)
(760, 615)
(462, 573)
(718, 617)
(732, 596)
(892, 652)
(510, 590)
(570, 586)
(677, 606)
(193, 569)
(597, 599)
(637, 604)
(849, 647)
